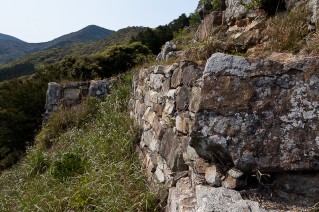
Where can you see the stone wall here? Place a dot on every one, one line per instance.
(205, 128)
(71, 94)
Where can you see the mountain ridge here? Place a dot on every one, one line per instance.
(12, 48)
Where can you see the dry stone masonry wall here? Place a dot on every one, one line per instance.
(71, 94)
(206, 129)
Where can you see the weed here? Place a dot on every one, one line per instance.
(286, 33)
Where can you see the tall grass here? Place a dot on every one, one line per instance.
(88, 167)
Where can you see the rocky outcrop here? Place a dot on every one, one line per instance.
(234, 118)
(168, 51)
(71, 94)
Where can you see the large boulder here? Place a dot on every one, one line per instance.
(260, 115)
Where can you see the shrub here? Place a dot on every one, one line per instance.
(286, 33)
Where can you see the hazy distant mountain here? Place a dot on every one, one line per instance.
(12, 48)
(25, 64)
(4, 37)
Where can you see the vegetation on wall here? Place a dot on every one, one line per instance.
(22, 100)
(90, 165)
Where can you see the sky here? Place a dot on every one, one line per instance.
(43, 20)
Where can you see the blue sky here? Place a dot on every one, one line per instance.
(44, 20)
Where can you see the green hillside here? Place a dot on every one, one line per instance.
(27, 65)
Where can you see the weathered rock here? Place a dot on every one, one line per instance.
(213, 176)
(235, 173)
(267, 107)
(168, 47)
(182, 197)
(182, 98)
(313, 6)
(209, 25)
(71, 94)
(220, 199)
(176, 79)
(159, 175)
(297, 188)
(171, 149)
(195, 99)
(184, 123)
(169, 107)
(97, 89)
(156, 81)
(159, 69)
(168, 71)
(53, 97)
(236, 9)
(233, 183)
(149, 115)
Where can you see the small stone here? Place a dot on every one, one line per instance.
(171, 94)
(149, 115)
(168, 71)
(213, 176)
(235, 173)
(159, 69)
(169, 107)
(233, 183)
(159, 175)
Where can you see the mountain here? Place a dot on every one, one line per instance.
(4, 37)
(25, 64)
(12, 48)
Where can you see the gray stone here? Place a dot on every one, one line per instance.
(149, 115)
(213, 176)
(236, 9)
(168, 71)
(171, 94)
(235, 173)
(98, 88)
(184, 123)
(166, 85)
(169, 107)
(159, 69)
(220, 199)
(182, 98)
(233, 183)
(159, 175)
(176, 79)
(227, 64)
(156, 81)
(168, 47)
(190, 73)
(171, 150)
(182, 197)
(195, 99)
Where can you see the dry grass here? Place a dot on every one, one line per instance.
(287, 32)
